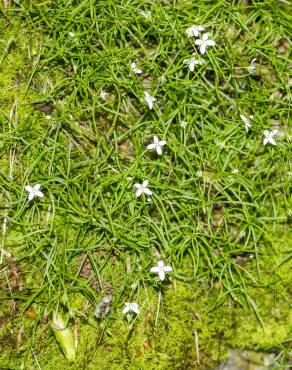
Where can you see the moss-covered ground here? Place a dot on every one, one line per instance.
(220, 213)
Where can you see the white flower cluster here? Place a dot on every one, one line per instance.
(160, 269)
(203, 42)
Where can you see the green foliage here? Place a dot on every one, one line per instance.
(220, 199)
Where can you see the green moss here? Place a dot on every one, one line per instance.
(184, 311)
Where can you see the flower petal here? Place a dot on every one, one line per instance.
(210, 43)
(30, 196)
(243, 118)
(126, 310)
(150, 104)
(161, 275)
(162, 142)
(147, 191)
(167, 268)
(145, 184)
(160, 264)
(138, 186)
(39, 194)
(155, 269)
(28, 188)
(203, 48)
(272, 141)
(159, 150)
(266, 140)
(151, 146)
(138, 192)
(37, 187)
(149, 99)
(205, 37)
(135, 308)
(198, 42)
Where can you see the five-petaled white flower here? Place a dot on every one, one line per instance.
(161, 269)
(192, 62)
(131, 307)
(136, 70)
(157, 145)
(34, 191)
(193, 31)
(142, 188)
(246, 121)
(269, 137)
(204, 42)
(149, 99)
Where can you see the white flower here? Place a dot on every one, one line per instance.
(199, 173)
(142, 188)
(131, 307)
(161, 269)
(246, 121)
(34, 191)
(194, 31)
(235, 170)
(104, 95)
(157, 145)
(184, 124)
(269, 137)
(71, 34)
(149, 99)
(204, 42)
(251, 68)
(192, 62)
(136, 70)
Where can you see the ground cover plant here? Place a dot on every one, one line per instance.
(145, 183)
